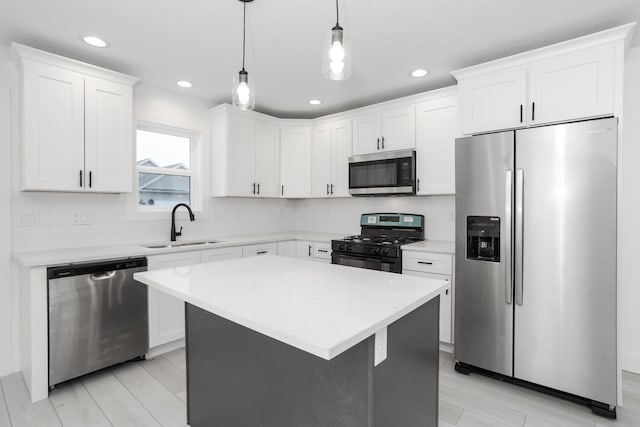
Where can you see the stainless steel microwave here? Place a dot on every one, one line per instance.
(383, 174)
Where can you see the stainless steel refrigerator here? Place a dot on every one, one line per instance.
(535, 297)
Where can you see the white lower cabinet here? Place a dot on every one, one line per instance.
(287, 248)
(260, 249)
(434, 266)
(166, 313)
(220, 254)
(322, 252)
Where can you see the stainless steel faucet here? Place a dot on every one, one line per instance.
(175, 233)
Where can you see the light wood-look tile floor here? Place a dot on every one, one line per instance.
(153, 393)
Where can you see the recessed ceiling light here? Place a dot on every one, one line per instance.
(419, 73)
(184, 83)
(95, 41)
(315, 102)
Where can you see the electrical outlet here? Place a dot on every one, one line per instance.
(29, 218)
(83, 218)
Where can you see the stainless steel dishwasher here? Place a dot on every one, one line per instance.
(98, 317)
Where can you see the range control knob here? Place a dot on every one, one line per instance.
(341, 247)
(375, 251)
(385, 251)
(348, 248)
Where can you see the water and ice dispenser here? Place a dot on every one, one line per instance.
(483, 238)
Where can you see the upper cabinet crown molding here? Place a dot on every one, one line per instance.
(21, 52)
(620, 33)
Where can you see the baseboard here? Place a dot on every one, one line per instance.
(446, 347)
(165, 348)
(631, 362)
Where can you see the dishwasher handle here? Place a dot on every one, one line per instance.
(103, 276)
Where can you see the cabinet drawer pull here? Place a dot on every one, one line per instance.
(254, 188)
(309, 250)
(261, 252)
(90, 173)
(425, 262)
(327, 189)
(331, 188)
(282, 189)
(258, 188)
(80, 177)
(378, 143)
(382, 142)
(418, 185)
(446, 292)
(323, 251)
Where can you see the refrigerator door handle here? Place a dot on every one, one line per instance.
(519, 218)
(508, 203)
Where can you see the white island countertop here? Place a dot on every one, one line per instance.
(323, 309)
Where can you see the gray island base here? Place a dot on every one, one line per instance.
(237, 377)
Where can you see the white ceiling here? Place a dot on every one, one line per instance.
(163, 41)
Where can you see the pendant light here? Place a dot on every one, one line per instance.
(243, 93)
(337, 61)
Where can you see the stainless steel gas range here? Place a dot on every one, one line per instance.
(378, 247)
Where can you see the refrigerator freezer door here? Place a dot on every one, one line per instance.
(483, 307)
(565, 327)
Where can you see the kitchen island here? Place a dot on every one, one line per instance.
(274, 341)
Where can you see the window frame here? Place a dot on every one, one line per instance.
(193, 172)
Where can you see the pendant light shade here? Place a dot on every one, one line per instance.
(243, 93)
(336, 64)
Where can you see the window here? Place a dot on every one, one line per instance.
(164, 161)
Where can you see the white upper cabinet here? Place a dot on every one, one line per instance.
(575, 85)
(108, 135)
(576, 79)
(494, 101)
(241, 139)
(245, 154)
(341, 142)
(77, 125)
(436, 124)
(321, 161)
(330, 152)
(295, 161)
(390, 129)
(267, 160)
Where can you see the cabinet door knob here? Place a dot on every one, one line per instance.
(383, 142)
(282, 191)
(254, 188)
(327, 189)
(80, 177)
(309, 250)
(331, 188)
(258, 188)
(90, 173)
(418, 185)
(378, 144)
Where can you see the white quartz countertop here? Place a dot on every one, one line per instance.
(323, 309)
(60, 256)
(438, 246)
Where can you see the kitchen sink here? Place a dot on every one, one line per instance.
(181, 245)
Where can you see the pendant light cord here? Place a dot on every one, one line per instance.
(337, 14)
(244, 31)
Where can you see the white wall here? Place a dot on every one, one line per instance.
(343, 215)
(5, 214)
(629, 194)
